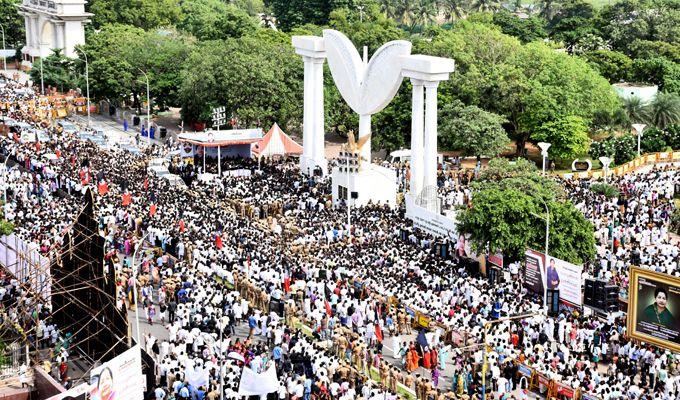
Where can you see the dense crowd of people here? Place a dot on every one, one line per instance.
(238, 267)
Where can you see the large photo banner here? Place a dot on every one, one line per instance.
(534, 271)
(654, 308)
(565, 277)
(119, 379)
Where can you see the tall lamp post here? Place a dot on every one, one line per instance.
(134, 283)
(544, 152)
(547, 237)
(6, 174)
(4, 58)
(639, 128)
(87, 83)
(361, 13)
(606, 162)
(486, 332)
(148, 109)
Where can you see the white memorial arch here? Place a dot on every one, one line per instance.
(368, 87)
(52, 24)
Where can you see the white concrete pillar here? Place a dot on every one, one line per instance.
(35, 33)
(318, 132)
(29, 31)
(59, 34)
(364, 130)
(312, 50)
(417, 120)
(306, 119)
(430, 144)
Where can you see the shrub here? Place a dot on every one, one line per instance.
(609, 191)
(653, 140)
(622, 149)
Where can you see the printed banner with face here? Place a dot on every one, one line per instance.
(654, 308)
(566, 278)
(534, 271)
(119, 379)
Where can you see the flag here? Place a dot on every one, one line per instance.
(152, 210)
(218, 242)
(378, 333)
(103, 188)
(182, 228)
(127, 199)
(329, 311)
(146, 183)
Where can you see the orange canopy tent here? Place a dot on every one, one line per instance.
(276, 142)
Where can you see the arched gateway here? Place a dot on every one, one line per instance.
(52, 24)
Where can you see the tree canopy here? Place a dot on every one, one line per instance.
(508, 215)
(261, 82)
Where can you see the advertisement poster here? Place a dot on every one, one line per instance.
(119, 379)
(534, 271)
(566, 278)
(654, 308)
(496, 259)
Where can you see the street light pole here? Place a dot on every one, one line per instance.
(361, 13)
(544, 153)
(639, 128)
(4, 58)
(606, 161)
(134, 283)
(6, 173)
(87, 84)
(148, 109)
(42, 81)
(486, 332)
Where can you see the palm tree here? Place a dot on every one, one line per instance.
(454, 9)
(424, 11)
(389, 8)
(547, 8)
(402, 10)
(665, 110)
(635, 110)
(486, 5)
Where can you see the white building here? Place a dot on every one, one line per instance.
(646, 93)
(52, 24)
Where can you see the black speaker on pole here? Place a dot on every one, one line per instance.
(553, 302)
(589, 295)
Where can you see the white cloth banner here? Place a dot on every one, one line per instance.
(197, 377)
(253, 384)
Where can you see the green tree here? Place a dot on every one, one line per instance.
(454, 9)
(273, 92)
(623, 22)
(525, 29)
(292, 13)
(474, 131)
(506, 215)
(568, 136)
(574, 20)
(635, 109)
(214, 19)
(665, 110)
(654, 48)
(145, 14)
(12, 22)
(57, 71)
(612, 65)
(621, 148)
(116, 64)
(659, 71)
(485, 5)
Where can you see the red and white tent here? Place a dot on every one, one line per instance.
(276, 142)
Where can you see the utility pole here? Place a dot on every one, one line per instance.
(87, 83)
(148, 109)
